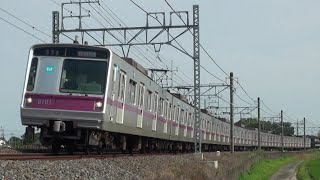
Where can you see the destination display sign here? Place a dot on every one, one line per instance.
(71, 52)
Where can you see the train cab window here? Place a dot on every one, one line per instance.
(32, 74)
(132, 91)
(81, 76)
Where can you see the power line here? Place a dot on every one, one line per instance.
(25, 23)
(199, 43)
(244, 91)
(176, 40)
(22, 29)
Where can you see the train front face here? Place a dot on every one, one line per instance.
(64, 91)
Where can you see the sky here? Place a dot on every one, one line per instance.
(271, 46)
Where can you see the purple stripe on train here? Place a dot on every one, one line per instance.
(64, 102)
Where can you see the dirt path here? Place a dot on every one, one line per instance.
(287, 172)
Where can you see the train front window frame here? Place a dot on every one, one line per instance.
(32, 74)
(83, 76)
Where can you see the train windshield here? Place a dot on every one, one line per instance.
(32, 74)
(84, 77)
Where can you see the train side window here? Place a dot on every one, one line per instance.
(132, 91)
(32, 74)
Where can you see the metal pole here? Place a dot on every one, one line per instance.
(196, 61)
(282, 143)
(297, 127)
(259, 126)
(304, 133)
(231, 114)
(55, 27)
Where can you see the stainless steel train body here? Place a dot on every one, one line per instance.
(82, 95)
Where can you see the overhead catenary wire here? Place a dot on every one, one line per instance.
(206, 52)
(22, 30)
(26, 23)
(140, 39)
(175, 39)
(120, 24)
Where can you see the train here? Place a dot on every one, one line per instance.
(89, 98)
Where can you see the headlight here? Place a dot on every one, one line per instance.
(29, 100)
(98, 104)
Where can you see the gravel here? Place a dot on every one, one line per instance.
(6, 150)
(135, 168)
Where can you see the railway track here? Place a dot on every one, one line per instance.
(52, 157)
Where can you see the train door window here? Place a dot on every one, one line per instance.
(112, 87)
(165, 108)
(182, 117)
(32, 74)
(174, 111)
(132, 91)
(178, 114)
(160, 111)
(122, 86)
(187, 117)
(170, 112)
(149, 100)
(141, 95)
(156, 101)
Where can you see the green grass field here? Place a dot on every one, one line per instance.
(314, 168)
(309, 168)
(264, 169)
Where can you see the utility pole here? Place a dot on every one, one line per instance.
(231, 114)
(304, 133)
(297, 127)
(259, 125)
(282, 144)
(2, 132)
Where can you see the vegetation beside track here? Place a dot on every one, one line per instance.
(310, 167)
(265, 168)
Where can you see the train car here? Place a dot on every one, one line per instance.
(88, 98)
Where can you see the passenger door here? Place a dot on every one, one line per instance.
(155, 112)
(121, 97)
(140, 105)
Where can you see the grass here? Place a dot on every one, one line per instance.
(310, 167)
(302, 172)
(313, 168)
(264, 169)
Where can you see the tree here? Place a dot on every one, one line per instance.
(15, 141)
(266, 126)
